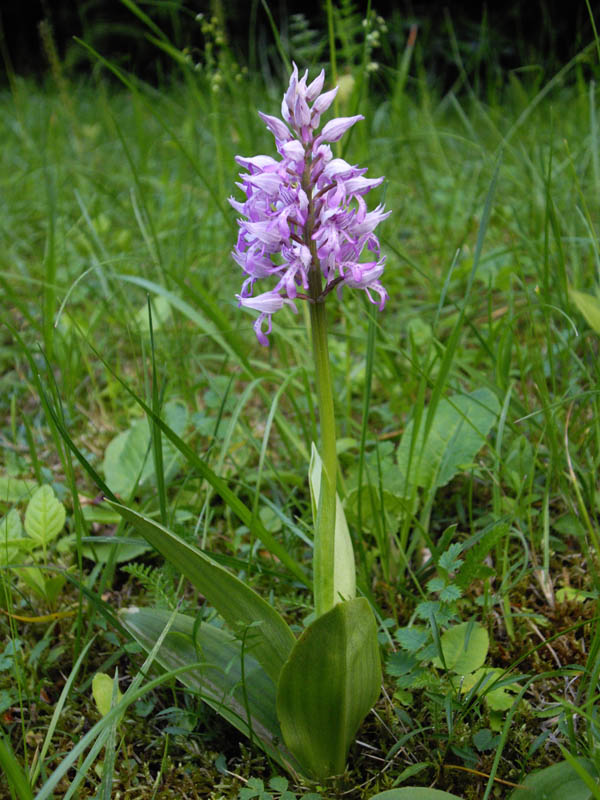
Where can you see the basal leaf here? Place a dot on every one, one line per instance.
(44, 516)
(558, 782)
(459, 430)
(223, 685)
(271, 641)
(328, 685)
(344, 578)
(465, 648)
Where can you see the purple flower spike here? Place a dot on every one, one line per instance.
(304, 222)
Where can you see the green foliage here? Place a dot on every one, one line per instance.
(17, 779)
(464, 648)
(128, 461)
(559, 781)
(455, 649)
(106, 692)
(45, 518)
(589, 306)
(344, 579)
(223, 670)
(332, 670)
(327, 686)
(13, 490)
(12, 540)
(414, 793)
(155, 582)
(278, 790)
(461, 650)
(434, 454)
(237, 603)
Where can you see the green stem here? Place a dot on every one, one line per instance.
(324, 552)
(324, 544)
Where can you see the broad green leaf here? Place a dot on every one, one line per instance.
(465, 647)
(498, 698)
(221, 681)
(344, 577)
(238, 604)
(102, 691)
(12, 541)
(128, 455)
(412, 638)
(459, 430)
(415, 793)
(589, 306)
(328, 685)
(45, 515)
(569, 594)
(14, 489)
(558, 782)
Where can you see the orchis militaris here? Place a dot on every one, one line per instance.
(301, 698)
(306, 228)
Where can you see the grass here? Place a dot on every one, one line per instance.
(117, 198)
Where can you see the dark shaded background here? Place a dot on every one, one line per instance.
(541, 34)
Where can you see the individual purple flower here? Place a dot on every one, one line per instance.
(304, 222)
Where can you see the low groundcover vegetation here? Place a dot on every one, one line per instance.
(299, 491)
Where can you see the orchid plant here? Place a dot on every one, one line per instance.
(304, 228)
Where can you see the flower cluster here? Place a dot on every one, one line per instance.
(306, 220)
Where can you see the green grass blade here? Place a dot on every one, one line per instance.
(58, 710)
(220, 486)
(157, 451)
(17, 780)
(238, 604)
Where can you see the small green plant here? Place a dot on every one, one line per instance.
(441, 661)
(277, 790)
(26, 548)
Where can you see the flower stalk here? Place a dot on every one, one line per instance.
(306, 227)
(324, 544)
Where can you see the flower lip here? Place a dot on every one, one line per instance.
(266, 303)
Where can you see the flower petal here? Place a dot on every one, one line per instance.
(336, 128)
(278, 128)
(314, 89)
(323, 102)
